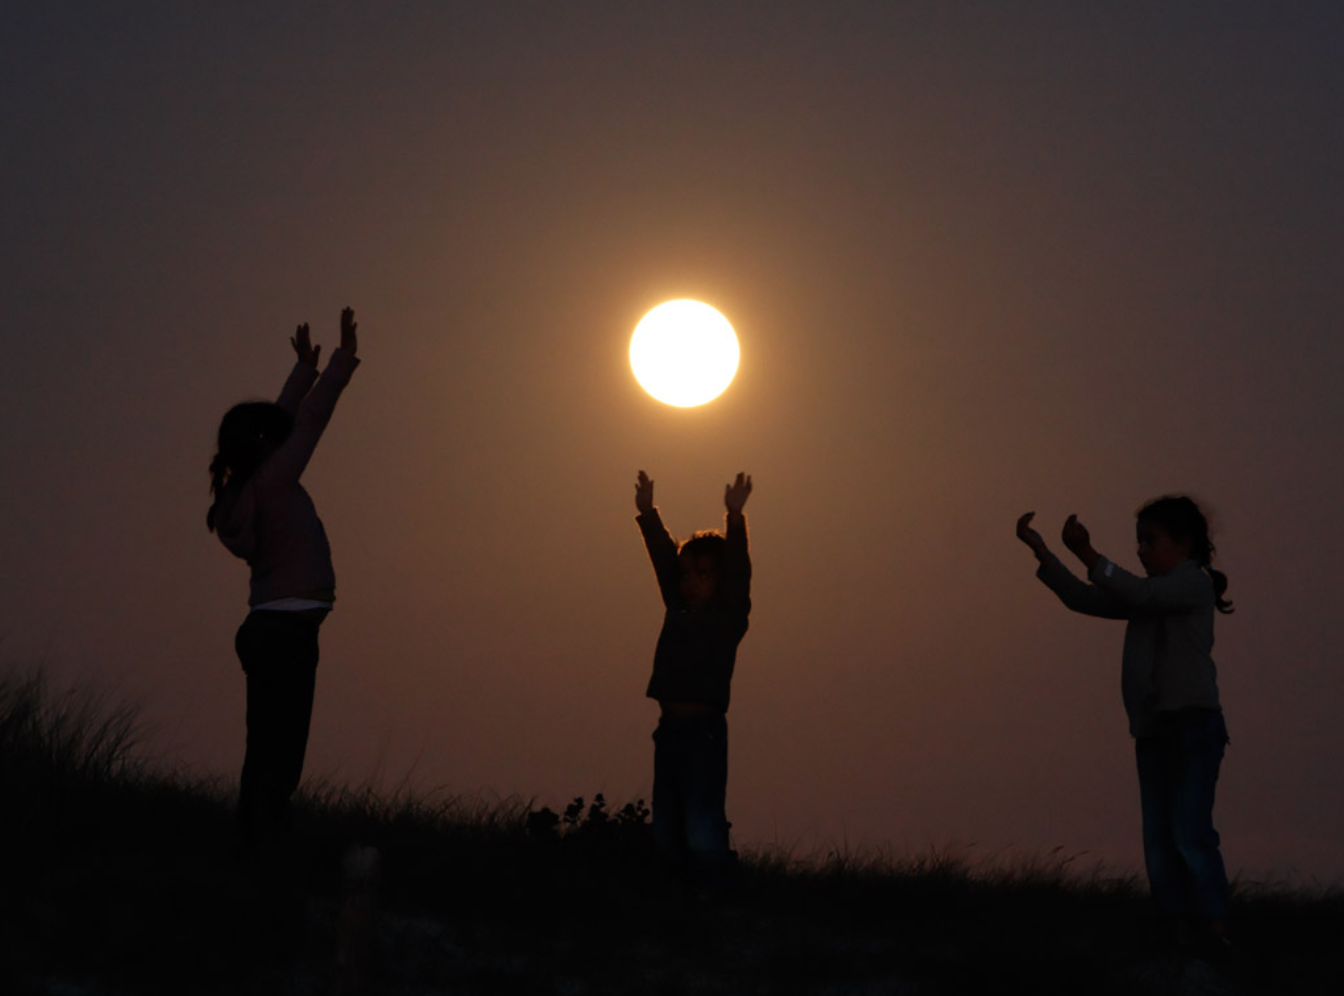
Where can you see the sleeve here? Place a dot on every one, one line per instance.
(289, 461)
(1178, 591)
(1079, 595)
(298, 382)
(662, 554)
(236, 521)
(735, 572)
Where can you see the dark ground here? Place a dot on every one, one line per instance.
(119, 881)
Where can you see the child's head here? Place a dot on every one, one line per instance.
(248, 434)
(1174, 529)
(698, 560)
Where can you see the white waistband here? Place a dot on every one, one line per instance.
(292, 605)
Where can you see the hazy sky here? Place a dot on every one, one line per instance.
(982, 258)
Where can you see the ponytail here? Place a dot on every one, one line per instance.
(1182, 519)
(1219, 588)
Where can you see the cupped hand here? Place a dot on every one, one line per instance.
(1075, 536)
(1028, 535)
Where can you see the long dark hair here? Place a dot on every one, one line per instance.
(248, 434)
(1181, 518)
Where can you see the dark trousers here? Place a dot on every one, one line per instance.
(690, 786)
(1178, 772)
(278, 651)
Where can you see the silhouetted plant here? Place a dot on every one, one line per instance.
(574, 812)
(79, 733)
(633, 813)
(584, 822)
(597, 813)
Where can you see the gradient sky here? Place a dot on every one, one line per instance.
(982, 258)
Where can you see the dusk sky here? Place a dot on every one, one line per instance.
(982, 258)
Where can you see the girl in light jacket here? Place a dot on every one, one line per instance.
(1170, 689)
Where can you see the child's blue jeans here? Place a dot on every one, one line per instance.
(1178, 772)
(690, 785)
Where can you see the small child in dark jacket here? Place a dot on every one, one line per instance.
(706, 589)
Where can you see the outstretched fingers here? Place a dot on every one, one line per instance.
(735, 494)
(349, 340)
(303, 346)
(644, 492)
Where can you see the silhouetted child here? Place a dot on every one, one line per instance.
(1170, 689)
(706, 589)
(262, 514)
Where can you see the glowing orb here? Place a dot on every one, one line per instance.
(684, 353)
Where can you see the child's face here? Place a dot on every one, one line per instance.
(698, 578)
(1158, 552)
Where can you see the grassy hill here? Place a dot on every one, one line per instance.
(119, 879)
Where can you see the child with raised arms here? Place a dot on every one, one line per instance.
(705, 584)
(1170, 690)
(263, 515)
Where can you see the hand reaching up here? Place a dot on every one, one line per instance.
(643, 493)
(303, 346)
(735, 495)
(349, 342)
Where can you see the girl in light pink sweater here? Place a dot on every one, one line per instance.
(263, 515)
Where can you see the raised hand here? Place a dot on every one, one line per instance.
(1030, 536)
(349, 342)
(303, 346)
(735, 495)
(1076, 536)
(643, 493)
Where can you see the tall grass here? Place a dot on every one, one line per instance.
(122, 878)
(73, 734)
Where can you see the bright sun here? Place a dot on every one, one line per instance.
(684, 353)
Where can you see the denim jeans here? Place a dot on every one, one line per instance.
(690, 785)
(1178, 771)
(278, 651)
